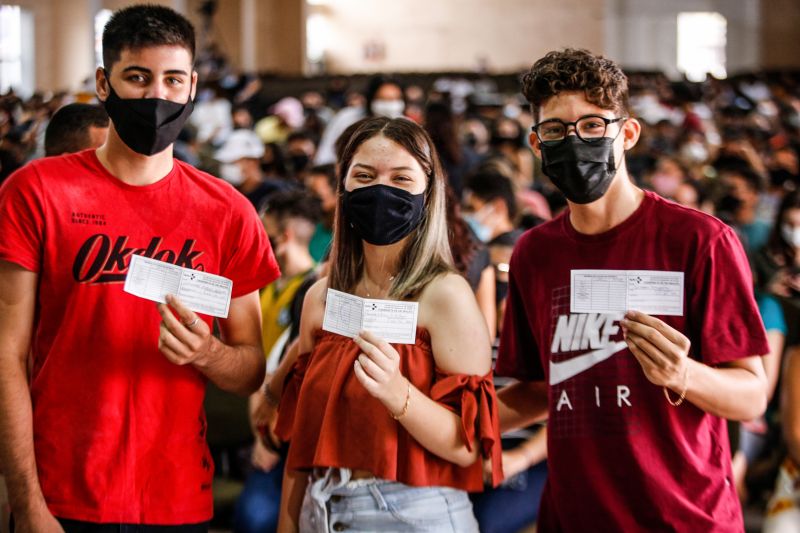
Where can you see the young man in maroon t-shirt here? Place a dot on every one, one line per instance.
(109, 432)
(635, 402)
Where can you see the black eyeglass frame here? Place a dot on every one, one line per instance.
(574, 125)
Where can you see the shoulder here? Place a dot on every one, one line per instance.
(678, 219)
(459, 336)
(445, 291)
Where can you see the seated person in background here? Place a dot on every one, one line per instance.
(289, 218)
(76, 127)
(240, 165)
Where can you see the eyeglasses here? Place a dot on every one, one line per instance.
(589, 128)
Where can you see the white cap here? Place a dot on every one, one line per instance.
(239, 145)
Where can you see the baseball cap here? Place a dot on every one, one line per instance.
(239, 145)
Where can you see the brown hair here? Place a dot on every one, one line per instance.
(427, 252)
(601, 80)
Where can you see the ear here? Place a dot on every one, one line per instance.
(194, 84)
(534, 141)
(499, 206)
(101, 84)
(631, 131)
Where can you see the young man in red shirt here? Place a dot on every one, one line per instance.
(109, 432)
(635, 403)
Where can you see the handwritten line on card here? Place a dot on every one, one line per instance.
(653, 292)
(199, 291)
(392, 320)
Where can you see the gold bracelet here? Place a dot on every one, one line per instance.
(405, 407)
(683, 392)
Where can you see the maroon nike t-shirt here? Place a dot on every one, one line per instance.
(119, 431)
(620, 458)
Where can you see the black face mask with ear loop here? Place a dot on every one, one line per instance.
(582, 171)
(146, 125)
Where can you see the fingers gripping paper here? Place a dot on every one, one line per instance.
(199, 291)
(393, 321)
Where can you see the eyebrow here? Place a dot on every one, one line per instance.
(368, 167)
(148, 71)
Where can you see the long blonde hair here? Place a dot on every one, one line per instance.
(427, 251)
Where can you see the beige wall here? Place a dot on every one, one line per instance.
(781, 36)
(425, 35)
(420, 35)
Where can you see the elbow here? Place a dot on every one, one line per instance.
(465, 458)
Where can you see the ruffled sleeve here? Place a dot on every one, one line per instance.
(474, 398)
(291, 393)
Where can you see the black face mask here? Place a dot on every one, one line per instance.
(147, 125)
(582, 171)
(299, 161)
(382, 214)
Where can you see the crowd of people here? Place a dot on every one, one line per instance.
(396, 191)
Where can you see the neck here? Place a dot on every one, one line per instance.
(380, 264)
(131, 167)
(619, 202)
(295, 262)
(250, 183)
(503, 227)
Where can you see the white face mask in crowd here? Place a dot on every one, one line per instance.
(791, 234)
(232, 173)
(388, 108)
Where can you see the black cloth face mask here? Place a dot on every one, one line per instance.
(147, 125)
(382, 214)
(582, 171)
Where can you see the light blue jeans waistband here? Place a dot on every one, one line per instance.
(335, 502)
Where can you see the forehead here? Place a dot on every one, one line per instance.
(156, 58)
(570, 106)
(381, 151)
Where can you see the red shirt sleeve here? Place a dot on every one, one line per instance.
(724, 314)
(251, 264)
(22, 219)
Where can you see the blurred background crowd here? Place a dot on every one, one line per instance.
(728, 147)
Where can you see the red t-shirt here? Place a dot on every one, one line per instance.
(620, 458)
(119, 431)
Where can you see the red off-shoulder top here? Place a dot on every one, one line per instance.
(332, 421)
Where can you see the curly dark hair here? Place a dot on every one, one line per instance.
(600, 79)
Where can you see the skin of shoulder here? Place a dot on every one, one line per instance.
(459, 335)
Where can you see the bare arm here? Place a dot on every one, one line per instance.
(460, 346)
(234, 363)
(522, 404)
(485, 295)
(292, 493)
(17, 305)
(772, 361)
(736, 390)
(790, 403)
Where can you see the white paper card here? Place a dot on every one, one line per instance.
(393, 321)
(199, 291)
(653, 292)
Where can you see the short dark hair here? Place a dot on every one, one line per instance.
(68, 129)
(601, 80)
(284, 205)
(488, 185)
(143, 25)
(329, 171)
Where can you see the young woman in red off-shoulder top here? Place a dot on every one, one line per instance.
(389, 437)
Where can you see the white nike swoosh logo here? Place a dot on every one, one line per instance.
(564, 370)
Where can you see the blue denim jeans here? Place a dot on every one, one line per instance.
(335, 503)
